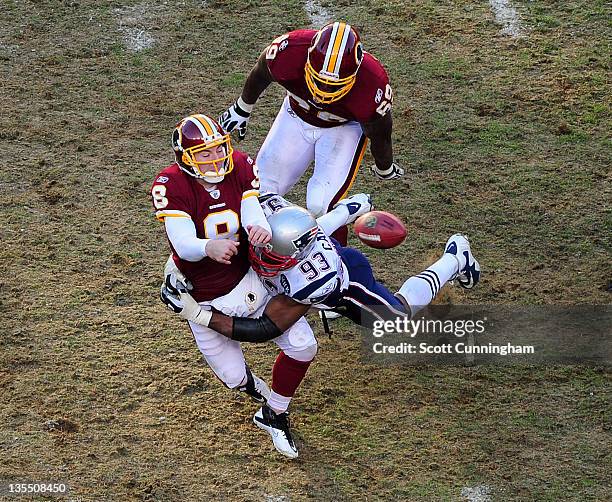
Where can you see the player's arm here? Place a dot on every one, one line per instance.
(345, 212)
(379, 133)
(238, 114)
(252, 214)
(381, 146)
(257, 81)
(280, 314)
(182, 235)
(254, 221)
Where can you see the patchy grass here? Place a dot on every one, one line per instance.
(505, 139)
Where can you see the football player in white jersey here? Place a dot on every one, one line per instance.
(303, 267)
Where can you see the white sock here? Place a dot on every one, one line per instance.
(421, 289)
(278, 403)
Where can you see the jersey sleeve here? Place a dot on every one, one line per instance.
(170, 197)
(272, 202)
(286, 55)
(247, 174)
(374, 92)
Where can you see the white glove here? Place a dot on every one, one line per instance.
(177, 299)
(357, 205)
(172, 271)
(236, 117)
(392, 172)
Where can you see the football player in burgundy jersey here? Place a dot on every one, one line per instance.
(338, 97)
(208, 202)
(204, 199)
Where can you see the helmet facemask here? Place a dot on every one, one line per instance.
(325, 89)
(212, 171)
(267, 263)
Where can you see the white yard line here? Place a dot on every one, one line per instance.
(480, 493)
(506, 16)
(132, 22)
(318, 14)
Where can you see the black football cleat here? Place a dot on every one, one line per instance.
(255, 387)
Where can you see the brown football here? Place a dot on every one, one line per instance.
(379, 229)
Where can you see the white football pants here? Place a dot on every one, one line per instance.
(248, 299)
(292, 144)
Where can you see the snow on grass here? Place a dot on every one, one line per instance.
(506, 16)
(480, 493)
(319, 15)
(132, 24)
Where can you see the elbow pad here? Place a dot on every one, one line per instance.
(260, 329)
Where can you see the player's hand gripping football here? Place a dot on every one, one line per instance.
(236, 117)
(392, 172)
(222, 250)
(258, 236)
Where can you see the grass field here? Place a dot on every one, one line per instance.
(505, 138)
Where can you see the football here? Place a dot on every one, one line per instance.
(379, 229)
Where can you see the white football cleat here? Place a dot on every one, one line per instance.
(468, 274)
(255, 387)
(357, 205)
(278, 428)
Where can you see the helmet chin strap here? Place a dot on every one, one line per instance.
(216, 177)
(213, 180)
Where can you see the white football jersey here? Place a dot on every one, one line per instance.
(316, 276)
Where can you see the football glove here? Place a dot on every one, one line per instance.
(175, 296)
(392, 172)
(172, 271)
(356, 205)
(236, 117)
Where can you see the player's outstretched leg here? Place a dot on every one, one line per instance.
(255, 387)
(277, 425)
(457, 263)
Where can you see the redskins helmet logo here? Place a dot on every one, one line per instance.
(315, 41)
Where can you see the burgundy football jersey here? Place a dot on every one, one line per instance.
(216, 215)
(370, 97)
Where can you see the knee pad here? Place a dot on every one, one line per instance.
(315, 199)
(303, 354)
(233, 377)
